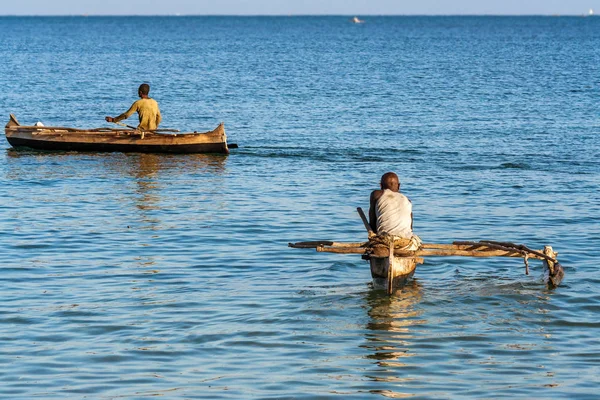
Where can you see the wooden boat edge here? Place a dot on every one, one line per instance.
(114, 140)
(554, 272)
(402, 270)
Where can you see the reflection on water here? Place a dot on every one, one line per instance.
(395, 314)
(144, 169)
(142, 165)
(463, 333)
(388, 337)
(153, 173)
(139, 165)
(130, 275)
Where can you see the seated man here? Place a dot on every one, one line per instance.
(390, 211)
(147, 109)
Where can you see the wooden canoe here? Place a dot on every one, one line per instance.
(111, 140)
(389, 271)
(392, 265)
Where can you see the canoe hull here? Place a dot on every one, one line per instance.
(392, 276)
(50, 145)
(114, 140)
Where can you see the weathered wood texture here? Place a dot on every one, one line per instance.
(556, 273)
(380, 255)
(426, 250)
(402, 269)
(365, 221)
(101, 139)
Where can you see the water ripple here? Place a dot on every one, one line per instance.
(141, 275)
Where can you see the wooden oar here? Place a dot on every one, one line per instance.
(128, 126)
(146, 130)
(164, 130)
(365, 221)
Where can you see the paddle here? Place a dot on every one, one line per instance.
(231, 146)
(139, 129)
(365, 222)
(122, 124)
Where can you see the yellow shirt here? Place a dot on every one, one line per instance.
(148, 113)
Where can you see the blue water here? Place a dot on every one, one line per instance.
(135, 276)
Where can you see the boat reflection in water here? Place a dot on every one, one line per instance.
(145, 181)
(164, 183)
(155, 172)
(146, 165)
(390, 336)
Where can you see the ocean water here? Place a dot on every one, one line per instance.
(138, 275)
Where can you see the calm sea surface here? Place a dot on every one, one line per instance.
(134, 276)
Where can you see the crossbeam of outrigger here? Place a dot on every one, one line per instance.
(394, 261)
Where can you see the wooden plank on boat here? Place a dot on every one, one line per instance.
(427, 250)
(340, 250)
(322, 243)
(393, 265)
(101, 139)
(381, 253)
(391, 272)
(461, 253)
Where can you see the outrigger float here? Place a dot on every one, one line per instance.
(394, 261)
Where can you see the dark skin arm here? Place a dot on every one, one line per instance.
(375, 195)
(142, 96)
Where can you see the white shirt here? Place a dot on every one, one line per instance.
(393, 211)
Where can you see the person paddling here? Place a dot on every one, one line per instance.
(147, 109)
(390, 211)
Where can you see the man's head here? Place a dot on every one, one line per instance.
(144, 89)
(390, 180)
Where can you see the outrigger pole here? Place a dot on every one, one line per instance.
(483, 248)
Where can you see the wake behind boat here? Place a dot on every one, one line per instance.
(115, 140)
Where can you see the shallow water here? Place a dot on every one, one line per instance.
(132, 275)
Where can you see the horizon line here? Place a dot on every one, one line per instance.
(292, 15)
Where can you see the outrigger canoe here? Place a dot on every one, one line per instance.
(394, 261)
(111, 140)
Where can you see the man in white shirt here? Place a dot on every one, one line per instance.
(390, 211)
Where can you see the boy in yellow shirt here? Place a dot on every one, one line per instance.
(147, 110)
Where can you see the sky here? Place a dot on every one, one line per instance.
(297, 7)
